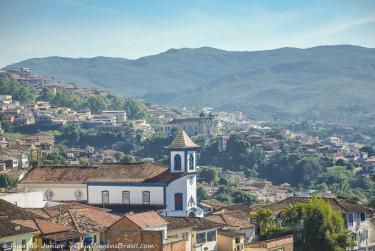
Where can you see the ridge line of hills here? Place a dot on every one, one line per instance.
(326, 83)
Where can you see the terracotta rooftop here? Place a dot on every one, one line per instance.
(10, 211)
(215, 204)
(338, 205)
(197, 224)
(8, 228)
(133, 172)
(76, 221)
(146, 219)
(63, 207)
(86, 219)
(235, 219)
(58, 174)
(40, 212)
(42, 226)
(46, 227)
(108, 172)
(182, 141)
(229, 233)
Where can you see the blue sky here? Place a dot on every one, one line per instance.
(131, 29)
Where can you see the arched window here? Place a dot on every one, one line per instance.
(177, 162)
(105, 197)
(146, 197)
(191, 162)
(178, 201)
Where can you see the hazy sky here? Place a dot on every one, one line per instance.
(131, 29)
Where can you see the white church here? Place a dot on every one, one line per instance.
(171, 188)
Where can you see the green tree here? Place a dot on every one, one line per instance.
(46, 95)
(244, 198)
(7, 181)
(134, 109)
(323, 227)
(223, 181)
(97, 104)
(20, 91)
(201, 193)
(54, 158)
(209, 174)
(264, 218)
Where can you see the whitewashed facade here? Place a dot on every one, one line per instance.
(125, 185)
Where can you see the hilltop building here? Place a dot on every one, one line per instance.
(129, 186)
(205, 124)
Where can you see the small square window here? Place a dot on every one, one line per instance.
(211, 236)
(201, 238)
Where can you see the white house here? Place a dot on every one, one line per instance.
(126, 185)
(205, 124)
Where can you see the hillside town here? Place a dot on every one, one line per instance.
(85, 193)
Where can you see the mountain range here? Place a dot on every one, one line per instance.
(325, 83)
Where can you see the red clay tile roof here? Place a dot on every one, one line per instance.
(146, 219)
(215, 204)
(75, 221)
(42, 226)
(100, 216)
(39, 211)
(197, 224)
(182, 141)
(338, 205)
(58, 174)
(46, 227)
(233, 219)
(63, 207)
(133, 172)
(232, 234)
(13, 212)
(109, 172)
(8, 228)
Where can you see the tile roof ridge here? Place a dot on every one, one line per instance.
(74, 221)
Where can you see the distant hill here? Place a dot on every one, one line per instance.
(330, 83)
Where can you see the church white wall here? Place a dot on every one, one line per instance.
(176, 186)
(191, 128)
(26, 200)
(191, 191)
(115, 194)
(185, 185)
(61, 192)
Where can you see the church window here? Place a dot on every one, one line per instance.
(126, 197)
(178, 202)
(146, 197)
(191, 162)
(177, 162)
(105, 197)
